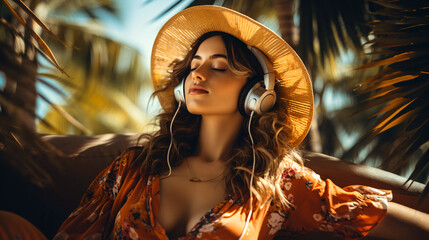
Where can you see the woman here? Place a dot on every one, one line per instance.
(193, 178)
(237, 101)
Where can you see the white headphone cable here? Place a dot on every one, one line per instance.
(251, 179)
(171, 140)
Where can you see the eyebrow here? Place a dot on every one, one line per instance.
(211, 57)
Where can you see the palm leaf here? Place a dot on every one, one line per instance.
(22, 147)
(66, 115)
(35, 36)
(400, 31)
(102, 111)
(90, 8)
(99, 61)
(36, 19)
(329, 27)
(104, 62)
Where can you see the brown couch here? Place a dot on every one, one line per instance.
(86, 156)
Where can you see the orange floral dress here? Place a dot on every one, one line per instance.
(121, 205)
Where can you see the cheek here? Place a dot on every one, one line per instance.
(229, 93)
(188, 83)
(233, 88)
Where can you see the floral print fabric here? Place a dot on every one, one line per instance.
(121, 205)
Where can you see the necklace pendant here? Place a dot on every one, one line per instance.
(195, 179)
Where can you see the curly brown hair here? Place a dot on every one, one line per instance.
(270, 132)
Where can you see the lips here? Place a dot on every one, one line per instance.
(195, 90)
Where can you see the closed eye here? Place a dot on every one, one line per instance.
(215, 69)
(219, 69)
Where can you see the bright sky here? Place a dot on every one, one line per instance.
(138, 26)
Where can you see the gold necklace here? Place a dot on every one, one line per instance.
(197, 179)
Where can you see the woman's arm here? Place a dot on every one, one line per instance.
(345, 174)
(402, 222)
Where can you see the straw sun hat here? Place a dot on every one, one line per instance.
(293, 88)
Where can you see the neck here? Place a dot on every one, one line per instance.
(217, 136)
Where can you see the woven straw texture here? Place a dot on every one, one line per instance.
(294, 90)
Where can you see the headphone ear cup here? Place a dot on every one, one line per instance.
(243, 95)
(179, 92)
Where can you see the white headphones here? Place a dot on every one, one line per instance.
(257, 95)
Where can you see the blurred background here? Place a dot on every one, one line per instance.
(82, 67)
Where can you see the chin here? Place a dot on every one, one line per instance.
(205, 112)
(210, 109)
(195, 110)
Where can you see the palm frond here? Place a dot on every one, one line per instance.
(400, 31)
(90, 8)
(329, 27)
(104, 110)
(99, 60)
(100, 63)
(33, 34)
(253, 9)
(21, 147)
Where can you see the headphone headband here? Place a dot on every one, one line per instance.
(267, 67)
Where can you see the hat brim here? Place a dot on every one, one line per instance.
(293, 88)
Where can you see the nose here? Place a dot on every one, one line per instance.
(199, 74)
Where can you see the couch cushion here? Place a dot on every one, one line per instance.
(84, 157)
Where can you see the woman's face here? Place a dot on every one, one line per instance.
(211, 88)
